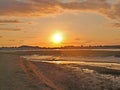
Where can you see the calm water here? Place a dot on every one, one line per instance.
(99, 63)
(109, 58)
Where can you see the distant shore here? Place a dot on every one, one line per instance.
(26, 47)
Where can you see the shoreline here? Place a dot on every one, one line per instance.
(36, 76)
(74, 79)
(19, 73)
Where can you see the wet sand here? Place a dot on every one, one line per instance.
(76, 79)
(65, 77)
(17, 73)
(12, 77)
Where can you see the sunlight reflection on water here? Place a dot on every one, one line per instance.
(101, 66)
(109, 62)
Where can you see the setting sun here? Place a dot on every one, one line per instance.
(57, 38)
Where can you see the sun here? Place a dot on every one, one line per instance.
(57, 38)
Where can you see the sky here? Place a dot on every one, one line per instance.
(81, 22)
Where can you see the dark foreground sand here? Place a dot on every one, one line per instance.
(20, 74)
(12, 77)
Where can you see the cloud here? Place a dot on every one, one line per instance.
(114, 11)
(111, 10)
(1, 24)
(10, 29)
(45, 7)
(118, 39)
(11, 40)
(10, 21)
(77, 39)
(86, 5)
(117, 25)
(28, 7)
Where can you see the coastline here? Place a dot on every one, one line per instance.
(72, 79)
(19, 73)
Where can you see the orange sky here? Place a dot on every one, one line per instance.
(81, 22)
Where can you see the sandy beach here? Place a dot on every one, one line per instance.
(19, 73)
(12, 77)
(69, 78)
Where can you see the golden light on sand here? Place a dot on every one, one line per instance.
(57, 38)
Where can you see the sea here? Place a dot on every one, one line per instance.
(108, 58)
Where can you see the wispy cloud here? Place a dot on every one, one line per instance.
(28, 7)
(10, 29)
(101, 6)
(86, 5)
(1, 24)
(117, 25)
(45, 7)
(77, 39)
(10, 21)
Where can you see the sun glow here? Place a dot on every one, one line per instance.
(57, 38)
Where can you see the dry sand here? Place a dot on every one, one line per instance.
(20, 74)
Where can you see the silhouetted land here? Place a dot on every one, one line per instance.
(25, 47)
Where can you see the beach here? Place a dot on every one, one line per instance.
(59, 44)
(19, 72)
(67, 78)
(12, 77)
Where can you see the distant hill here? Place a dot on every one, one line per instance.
(28, 47)
(93, 47)
(25, 47)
